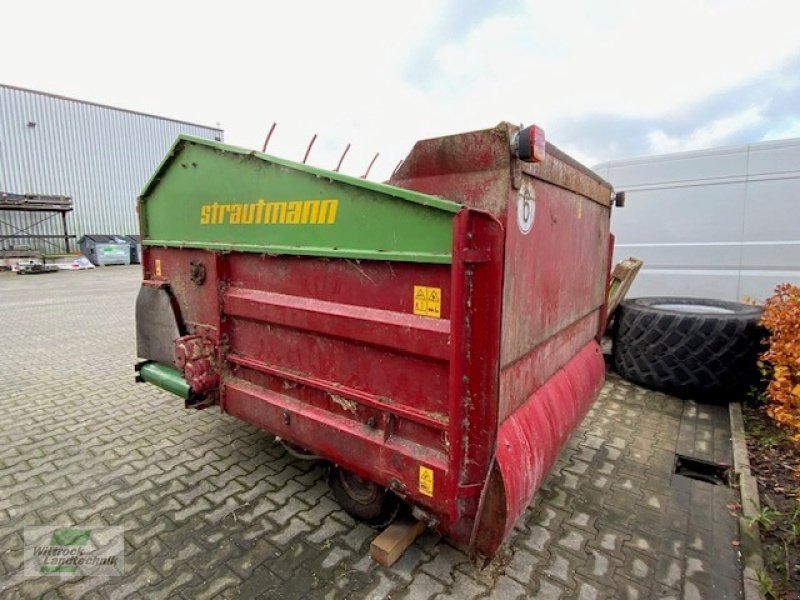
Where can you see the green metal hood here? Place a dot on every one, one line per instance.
(211, 195)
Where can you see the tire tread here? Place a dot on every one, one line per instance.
(686, 354)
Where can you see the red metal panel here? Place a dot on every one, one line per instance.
(329, 355)
(552, 297)
(198, 304)
(397, 378)
(472, 168)
(411, 334)
(474, 368)
(276, 316)
(554, 286)
(529, 441)
(530, 372)
(430, 419)
(372, 452)
(373, 284)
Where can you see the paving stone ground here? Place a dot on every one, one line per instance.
(213, 508)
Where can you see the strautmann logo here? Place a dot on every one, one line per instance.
(271, 212)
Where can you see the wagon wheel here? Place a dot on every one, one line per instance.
(363, 499)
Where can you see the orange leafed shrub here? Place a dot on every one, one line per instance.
(782, 319)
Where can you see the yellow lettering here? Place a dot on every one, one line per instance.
(293, 213)
(275, 213)
(327, 213)
(260, 211)
(310, 212)
(289, 212)
(248, 212)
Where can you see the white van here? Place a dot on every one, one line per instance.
(721, 223)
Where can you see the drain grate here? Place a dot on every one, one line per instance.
(702, 470)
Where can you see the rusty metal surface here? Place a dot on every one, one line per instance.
(556, 220)
(554, 286)
(196, 357)
(564, 171)
(477, 277)
(475, 168)
(555, 272)
(471, 168)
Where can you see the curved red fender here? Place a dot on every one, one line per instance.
(530, 440)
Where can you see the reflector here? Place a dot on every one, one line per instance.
(531, 144)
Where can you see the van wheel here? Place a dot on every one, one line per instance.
(688, 347)
(362, 499)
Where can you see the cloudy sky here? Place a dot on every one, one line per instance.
(610, 79)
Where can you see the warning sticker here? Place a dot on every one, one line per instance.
(425, 481)
(158, 267)
(428, 301)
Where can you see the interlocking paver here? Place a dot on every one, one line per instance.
(256, 509)
(216, 508)
(295, 527)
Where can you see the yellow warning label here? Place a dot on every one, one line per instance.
(425, 481)
(158, 267)
(428, 301)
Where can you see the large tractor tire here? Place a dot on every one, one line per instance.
(688, 347)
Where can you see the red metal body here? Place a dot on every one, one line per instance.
(461, 415)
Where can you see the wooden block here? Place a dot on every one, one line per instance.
(393, 541)
(621, 280)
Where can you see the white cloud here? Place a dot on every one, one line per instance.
(784, 130)
(706, 136)
(382, 75)
(636, 58)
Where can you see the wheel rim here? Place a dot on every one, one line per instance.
(359, 489)
(705, 309)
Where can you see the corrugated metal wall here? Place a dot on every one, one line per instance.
(100, 156)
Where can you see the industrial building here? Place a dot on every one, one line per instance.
(86, 160)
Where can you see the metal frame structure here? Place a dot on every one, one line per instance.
(36, 203)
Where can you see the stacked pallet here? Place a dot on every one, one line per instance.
(9, 201)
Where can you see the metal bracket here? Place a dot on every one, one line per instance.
(476, 255)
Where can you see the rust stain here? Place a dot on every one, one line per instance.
(348, 405)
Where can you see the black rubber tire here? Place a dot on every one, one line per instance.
(687, 351)
(362, 499)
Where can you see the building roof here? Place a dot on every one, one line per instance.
(109, 107)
